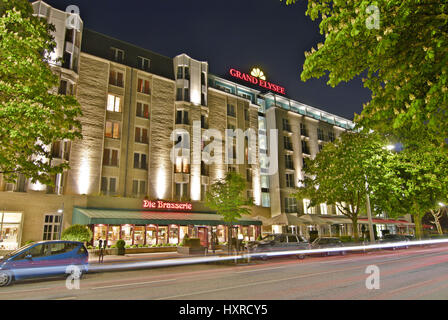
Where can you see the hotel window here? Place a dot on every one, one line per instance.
(231, 110)
(246, 114)
(288, 162)
(69, 35)
(52, 226)
(305, 147)
(303, 130)
(290, 205)
(140, 161)
(182, 117)
(187, 73)
(306, 209)
(331, 136)
(203, 191)
(202, 78)
(290, 180)
(249, 175)
(287, 143)
(181, 191)
(138, 187)
(286, 126)
(116, 78)
(113, 103)
(143, 86)
(179, 94)
(265, 200)
(112, 129)
(320, 134)
(10, 229)
(180, 72)
(204, 121)
(110, 157)
(203, 103)
(65, 88)
(323, 208)
(265, 182)
(186, 94)
(142, 110)
(108, 185)
(141, 135)
(117, 54)
(143, 63)
(204, 169)
(182, 165)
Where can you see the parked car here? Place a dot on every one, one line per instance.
(280, 242)
(328, 242)
(42, 259)
(392, 238)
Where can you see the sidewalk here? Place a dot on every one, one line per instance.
(136, 257)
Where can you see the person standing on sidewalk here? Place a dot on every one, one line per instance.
(104, 251)
(101, 252)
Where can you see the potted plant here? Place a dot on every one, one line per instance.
(121, 247)
(77, 232)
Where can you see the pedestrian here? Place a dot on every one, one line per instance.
(104, 250)
(101, 252)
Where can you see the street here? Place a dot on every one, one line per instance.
(414, 273)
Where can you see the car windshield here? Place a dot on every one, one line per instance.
(17, 251)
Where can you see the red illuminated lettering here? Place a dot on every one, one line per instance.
(160, 204)
(255, 80)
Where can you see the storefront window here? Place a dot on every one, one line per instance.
(221, 233)
(163, 234)
(174, 234)
(99, 232)
(10, 230)
(114, 235)
(139, 235)
(151, 234)
(126, 234)
(183, 231)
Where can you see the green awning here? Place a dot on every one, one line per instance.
(87, 216)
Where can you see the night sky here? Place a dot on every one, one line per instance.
(231, 33)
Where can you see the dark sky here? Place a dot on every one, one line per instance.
(230, 33)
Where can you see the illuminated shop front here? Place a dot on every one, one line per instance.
(157, 227)
(10, 230)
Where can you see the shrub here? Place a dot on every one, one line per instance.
(192, 242)
(120, 244)
(346, 239)
(77, 232)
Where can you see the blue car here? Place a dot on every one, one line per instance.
(42, 259)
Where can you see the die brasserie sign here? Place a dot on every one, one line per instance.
(160, 204)
(257, 80)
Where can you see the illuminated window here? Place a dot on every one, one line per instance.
(112, 129)
(113, 103)
(143, 86)
(142, 110)
(265, 200)
(182, 165)
(306, 209)
(323, 208)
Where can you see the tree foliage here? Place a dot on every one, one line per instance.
(77, 232)
(32, 114)
(338, 175)
(404, 62)
(226, 197)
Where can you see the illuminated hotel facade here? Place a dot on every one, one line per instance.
(132, 100)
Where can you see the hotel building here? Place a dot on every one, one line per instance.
(122, 182)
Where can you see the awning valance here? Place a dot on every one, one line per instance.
(87, 216)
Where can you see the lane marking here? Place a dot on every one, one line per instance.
(132, 284)
(261, 269)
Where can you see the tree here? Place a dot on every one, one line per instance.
(338, 175)
(423, 180)
(401, 50)
(77, 232)
(32, 114)
(226, 197)
(437, 214)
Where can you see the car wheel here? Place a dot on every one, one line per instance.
(5, 278)
(300, 256)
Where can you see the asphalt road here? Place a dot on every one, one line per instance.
(414, 273)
